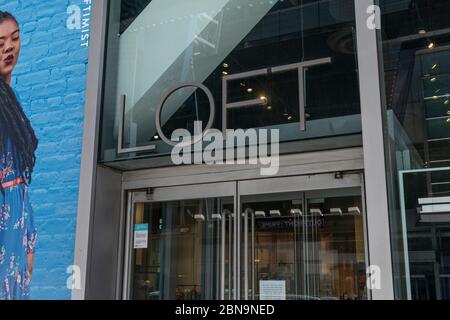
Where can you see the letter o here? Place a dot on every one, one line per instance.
(212, 108)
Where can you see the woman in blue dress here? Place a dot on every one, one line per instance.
(18, 144)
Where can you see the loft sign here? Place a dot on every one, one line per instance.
(212, 146)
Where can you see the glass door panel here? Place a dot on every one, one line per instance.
(303, 245)
(183, 257)
(335, 249)
(271, 249)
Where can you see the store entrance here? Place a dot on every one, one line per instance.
(295, 238)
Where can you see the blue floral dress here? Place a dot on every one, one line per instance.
(17, 231)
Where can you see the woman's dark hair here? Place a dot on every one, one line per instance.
(5, 15)
(16, 128)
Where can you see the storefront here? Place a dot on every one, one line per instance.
(318, 227)
(305, 233)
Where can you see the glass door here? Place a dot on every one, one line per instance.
(180, 243)
(303, 244)
(295, 238)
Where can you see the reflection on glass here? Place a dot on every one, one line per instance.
(155, 45)
(426, 218)
(416, 55)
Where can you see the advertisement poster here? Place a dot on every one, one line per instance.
(44, 54)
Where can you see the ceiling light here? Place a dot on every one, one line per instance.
(275, 213)
(434, 97)
(249, 90)
(263, 98)
(448, 120)
(336, 211)
(316, 211)
(354, 210)
(260, 214)
(431, 45)
(216, 216)
(434, 66)
(446, 102)
(269, 107)
(225, 65)
(224, 73)
(156, 137)
(289, 118)
(296, 212)
(433, 79)
(199, 217)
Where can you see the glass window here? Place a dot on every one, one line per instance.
(416, 54)
(156, 45)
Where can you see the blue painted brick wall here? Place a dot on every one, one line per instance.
(52, 60)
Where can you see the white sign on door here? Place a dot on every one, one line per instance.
(272, 290)
(140, 236)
